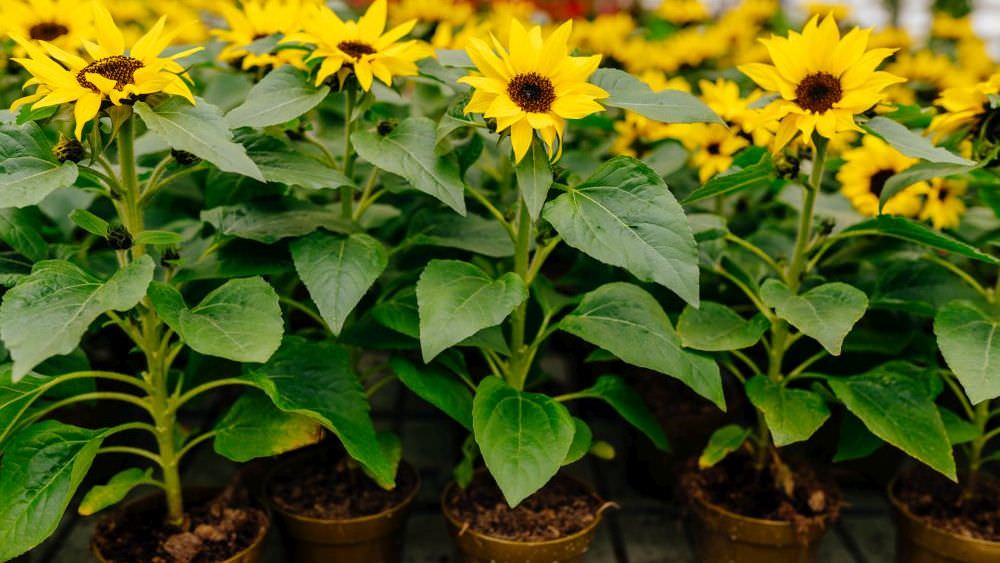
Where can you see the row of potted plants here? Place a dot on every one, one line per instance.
(318, 204)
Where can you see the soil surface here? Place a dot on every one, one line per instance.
(561, 508)
(325, 486)
(737, 486)
(935, 499)
(212, 531)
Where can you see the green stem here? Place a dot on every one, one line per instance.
(962, 274)
(132, 451)
(756, 251)
(304, 310)
(482, 199)
(366, 193)
(192, 393)
(131, 214)
(347, 192)
(522, 248)
(982, 416)
(197, 440)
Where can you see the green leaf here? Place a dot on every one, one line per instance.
(960, 431)
(723, 442)
(969, 340)
(755, 176)
(855, 440)
(534, 177)
(524, 437)
(253, 427)
(826, 313)
(918, 287)
(457, 299)
(315, 380)
(793, 415)
(911, 231)
(918, 173)
(583, 438)
(338, 271)
(100, 497)
(200, 130)
(628, 322)
(714, 327)
(27, 139)
(89, 222)
(629, 405)
(437, 388)
(47, 312)
(16, 398)
(159, 238)
(282, 163)
(281, 96)
(271, 223)
(669, 106)
(26, 180)
(893, 401)
(471, 232)
(41, 468)
(911, 144)
(239, 320)
(21, 230)
(408, 151)
(625, 216)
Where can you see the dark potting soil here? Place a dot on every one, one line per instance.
(940, 502)
(212, 531)
(561, 508)
(325, 485)
(736, 485)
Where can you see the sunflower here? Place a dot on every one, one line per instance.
(723, 96)
(109, 74)
(944, 206)
(927, 74)
(532, 85)
(824, 79)
(864, 173)
(966, 106)
(712, 146)
(256, 20)
(362, 47)
(64, 23)
(682, 12)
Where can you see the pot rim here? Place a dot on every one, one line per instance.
(262, 531)
(904, 510)
(407, 500)
(503, 541)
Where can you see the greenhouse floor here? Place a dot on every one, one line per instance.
(642, 530)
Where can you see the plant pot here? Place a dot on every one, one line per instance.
(721, 536)
(476, 547)
(917, 541)
(143, 507)
(377, 538)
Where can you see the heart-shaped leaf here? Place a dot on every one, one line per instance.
(715, 327)
(826, 312)
(793, 415)
(969, 339)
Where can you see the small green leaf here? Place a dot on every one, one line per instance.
(969, 340)
(715, 328)
(21, 230)
(583, 438)
(826, 313)
(855, 441)
(960, 431)
(100, 497)
(281, 96)
(270, 223)
(793, 415)
(628, 322)
(534, 177)
(908, 230)
(443, 391)
(524, 437)
(282, 163)
(911, 144)
(159, 238)
(253, 427)
(629, 405)
(89, 222)
(457, 299)
(755, 176)
(723, 442)
(669, 106)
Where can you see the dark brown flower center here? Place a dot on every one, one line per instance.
(877, 182)
(356, 49)
(532, 92)
(119, 68)
(47, 31)
(818, 92)
(714, 148)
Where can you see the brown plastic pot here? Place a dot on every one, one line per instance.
(377, 538)
(476, 547)
(721, 536)
(153, 506)
(917, 541)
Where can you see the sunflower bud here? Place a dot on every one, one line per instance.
(169, 258)
(491, 124)
(385, 127)
(184, 158)
(68, 150)
(824, 225)
(119, 238)
(787, 167)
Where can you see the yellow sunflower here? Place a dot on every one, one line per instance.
(533, 84)
(944, 206)
(927, 73)
(712, 146)
(682, 11)
(110, 73)
(824, 79)
(362, 47)
(865, 172)
(258, 19)
(64, 23)
(964, 106)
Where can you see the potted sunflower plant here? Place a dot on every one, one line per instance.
(502, 303)
(124, 194)
(748, 499)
